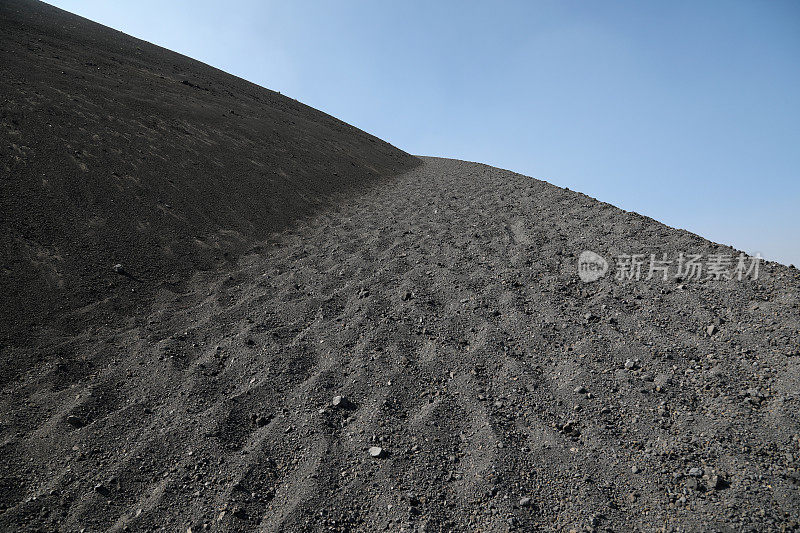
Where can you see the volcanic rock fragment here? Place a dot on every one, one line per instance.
(377, 452)
(340, 402)
(75, 421)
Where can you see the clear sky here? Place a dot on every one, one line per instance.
(683, 111)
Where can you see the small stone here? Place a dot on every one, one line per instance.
(75, 421)
(580, 389)
(711, 329)
(376, 452)
(524, 501)
(695, 472)
(718, 482)
(406, 296)
(630, 364)
(118, 268)
(340, 402)
(102, 489)
(635, 469)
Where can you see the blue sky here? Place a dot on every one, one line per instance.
(683, 111)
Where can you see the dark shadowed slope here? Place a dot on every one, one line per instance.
(118, 151)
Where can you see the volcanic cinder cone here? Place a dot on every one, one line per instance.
(225, 310)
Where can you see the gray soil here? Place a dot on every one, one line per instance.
(413, 351)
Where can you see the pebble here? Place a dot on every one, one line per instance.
(695, 472)
(524, 501)
(712, 329)
(118, 268)
(75, 421)
(376, 451)
(340, 402)
(580, 389)
(635, 469)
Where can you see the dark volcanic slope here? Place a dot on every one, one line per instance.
(118, 151)
(443, 304)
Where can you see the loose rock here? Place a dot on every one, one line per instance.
(340, 402)
(75, 421)
(376, 452)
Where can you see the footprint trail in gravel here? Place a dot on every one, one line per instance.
(444, 306)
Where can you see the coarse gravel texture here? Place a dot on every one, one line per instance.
(215, 409)
(415, 351)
